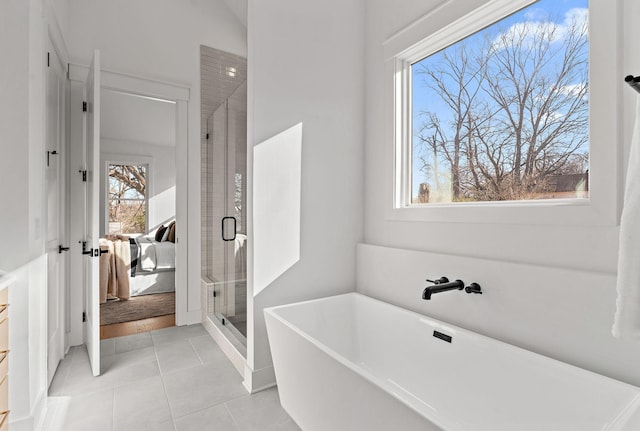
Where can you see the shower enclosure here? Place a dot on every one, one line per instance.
(227, 140)
(224, 182)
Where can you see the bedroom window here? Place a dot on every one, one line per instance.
(127, 200)
(503, 114)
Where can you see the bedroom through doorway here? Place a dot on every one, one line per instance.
(137, 214)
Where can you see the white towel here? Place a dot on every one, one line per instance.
(627, 318)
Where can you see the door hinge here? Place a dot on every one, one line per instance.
(214, 293)
(84, 316)
(48, 59)
(84, 175)
(49, 154)
(84, 106)
(207, 136)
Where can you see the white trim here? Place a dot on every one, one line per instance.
(259, 380)
(187, 242)
(603, 206)
(183, 253)
(132, 84)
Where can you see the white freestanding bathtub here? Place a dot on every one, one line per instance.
(350, 362)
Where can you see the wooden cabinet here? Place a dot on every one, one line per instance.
(4, 359)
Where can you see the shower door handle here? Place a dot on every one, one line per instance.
(233, 238)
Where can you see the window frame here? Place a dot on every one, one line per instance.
(113, 159)
(418, 41)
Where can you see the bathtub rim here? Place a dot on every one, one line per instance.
(422, 408)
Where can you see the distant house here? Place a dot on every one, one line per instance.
(565, 186)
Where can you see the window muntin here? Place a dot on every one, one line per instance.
(127, 198)
(503, 114)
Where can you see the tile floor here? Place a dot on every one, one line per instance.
(172, 379)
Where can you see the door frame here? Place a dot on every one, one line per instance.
(180, 95)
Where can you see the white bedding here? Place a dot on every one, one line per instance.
(156, 255)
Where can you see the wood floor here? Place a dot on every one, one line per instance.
(137, 326)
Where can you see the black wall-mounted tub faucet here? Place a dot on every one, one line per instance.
(441, 285)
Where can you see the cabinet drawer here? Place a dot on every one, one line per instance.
(4, 335)
(4, 394)
(4, 364)
(4, 420)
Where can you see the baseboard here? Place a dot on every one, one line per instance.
(35, 422)
(22, 424)
(259, 380)
(188, 317)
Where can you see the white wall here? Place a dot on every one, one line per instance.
(14, 130)
(305, 66)
(570, 247)
(23, 41)
(161, 180)
(161, 40)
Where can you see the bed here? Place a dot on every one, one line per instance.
(141, 265)
(153, 265)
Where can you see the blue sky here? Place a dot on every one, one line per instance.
(425, 99)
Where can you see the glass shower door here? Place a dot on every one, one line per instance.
(227, 131)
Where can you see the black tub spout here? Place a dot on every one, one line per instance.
(442, 287)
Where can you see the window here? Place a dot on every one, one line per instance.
(503, 113)
(499, 116)
(127, 198)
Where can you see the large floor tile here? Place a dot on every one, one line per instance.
(215, 418)
(258, 411)
(90, 412)
(176, 333)
(208, 351)
(203, 386)
(62, 372)
(111, 363)
(133, 342)
(83, 381)
(141, 406)
(176, 356)
(107, 347)
(289, 425)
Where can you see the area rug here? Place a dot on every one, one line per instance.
(137, 308)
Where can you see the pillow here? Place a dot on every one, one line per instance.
(165, 235)
(160, 232)
(172, 232)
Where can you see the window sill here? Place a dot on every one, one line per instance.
(549, 212)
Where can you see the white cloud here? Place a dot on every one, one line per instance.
(573, 89)
(536, 26)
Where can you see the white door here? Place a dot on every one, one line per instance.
(92, 257)
(56, 280)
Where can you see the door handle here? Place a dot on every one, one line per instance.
(61, 249)
(224, 238)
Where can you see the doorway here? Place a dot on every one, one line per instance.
(137, 213)
(144, 89)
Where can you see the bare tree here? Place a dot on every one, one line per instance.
(127, 192)
(517, 110)
(458, 80)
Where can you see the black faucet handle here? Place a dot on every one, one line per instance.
(439, 281)
(473, 288)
